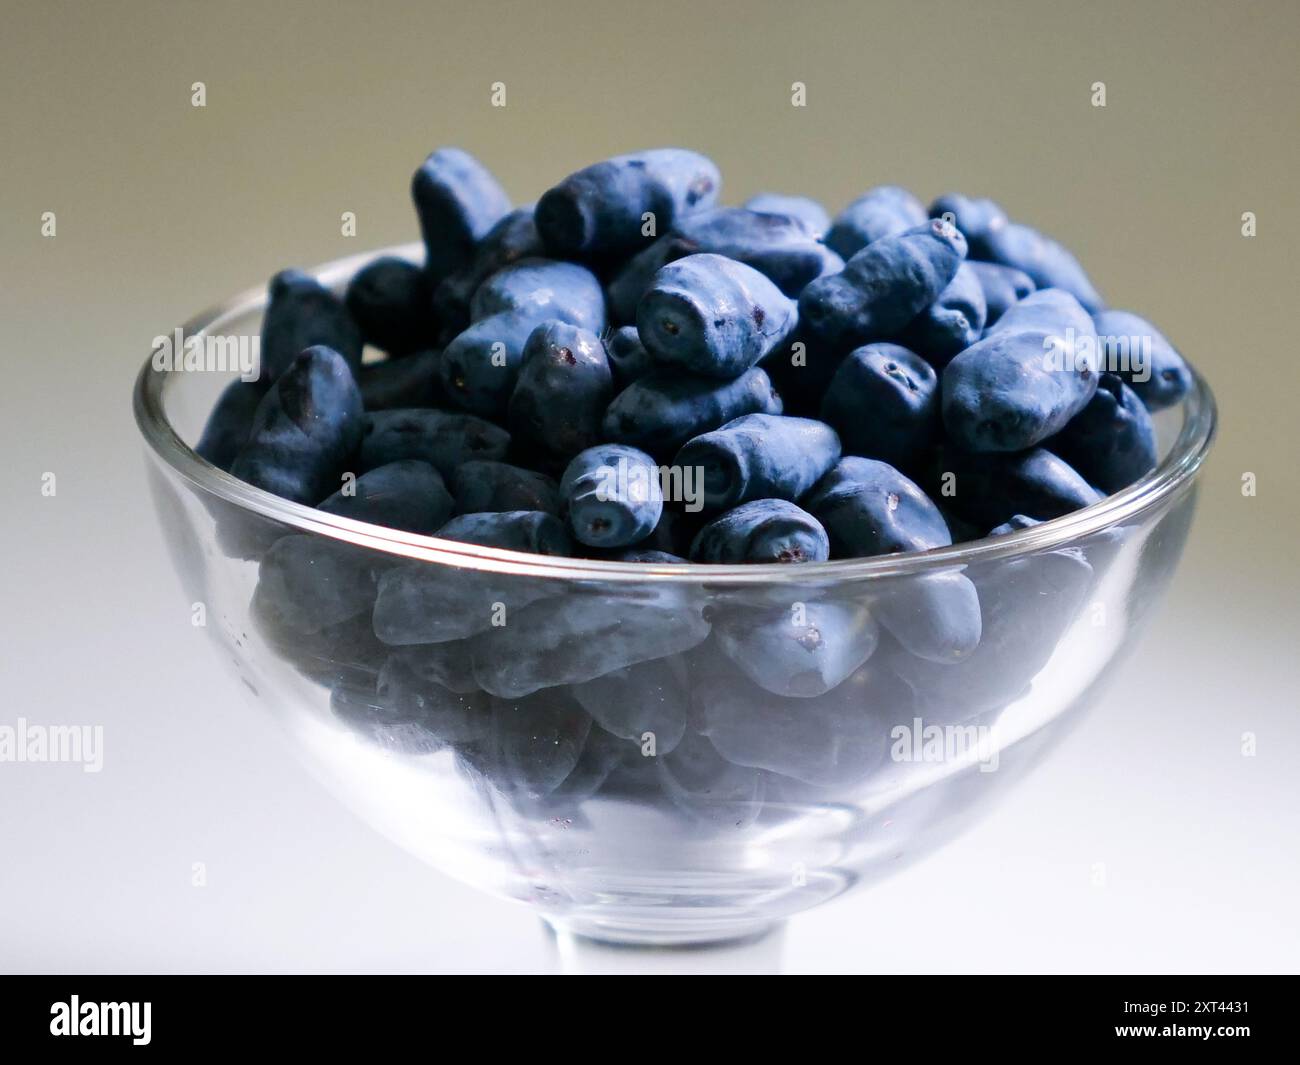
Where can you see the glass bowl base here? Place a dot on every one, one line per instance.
(659, 947)
(650, 929)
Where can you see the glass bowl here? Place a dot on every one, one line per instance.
(650, 766)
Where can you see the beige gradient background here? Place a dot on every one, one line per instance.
(316, 109)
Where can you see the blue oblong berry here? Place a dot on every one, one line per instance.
(513, 530)
(563, 388)
(628, 358)
(311, 583)
(513, 238)
(881, 212)
(345, 652)
(302, 313)
(806, 211)
(407, 494)
(458, 201)
(762, 530)
(443, 439)
(603, 755)
(1047, 262)
(575, 638)
(1112, 441)
(646, 697)
(305, 429)
(479, 367)
(1049, 310)
(1003, 287)
(662, 410)
(952, 323)
(445, 665)
(546, 288)
(1033, 372)
(613, 495)
(935, 616)
(598, 213)
(531, 746)
(991, 488)
(760, 456)
(778, 246)
(410, 381)
(228, 426)
(884, 403)
(836, 740)
(1027, 602)
(712, 316)
(869, 508)
(799, 651)
(974, 216)
(801, 370)
(477, 370)
(422, 705)
(423, 604)
(483, 485)
(1143, 358)
(708, 788)
(884, 286)
(390, 300)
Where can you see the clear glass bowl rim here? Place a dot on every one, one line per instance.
(1175, 470)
